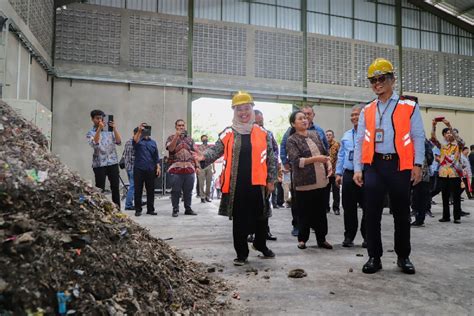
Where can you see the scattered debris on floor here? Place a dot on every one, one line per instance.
(297, 273)
(66, 249)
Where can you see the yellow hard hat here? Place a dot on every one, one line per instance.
(242, 97)
(380, 66)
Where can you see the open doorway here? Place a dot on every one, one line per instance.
(211, 115)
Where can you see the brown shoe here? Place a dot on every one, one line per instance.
(324, 245)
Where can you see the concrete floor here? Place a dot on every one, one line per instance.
(443, 254)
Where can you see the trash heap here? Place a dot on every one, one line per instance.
(66, 249)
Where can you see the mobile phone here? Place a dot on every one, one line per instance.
(146, 131)
(185, 133)
(110, 118)
(439, 118)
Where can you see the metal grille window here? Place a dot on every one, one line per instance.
(215, 45)
(328, 61)
(158, 43)
(278, 56)
(88, 37)
(420, 72)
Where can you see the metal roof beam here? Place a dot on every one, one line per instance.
(442, 14)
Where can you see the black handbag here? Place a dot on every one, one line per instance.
(122, 163)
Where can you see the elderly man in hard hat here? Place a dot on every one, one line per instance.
(388, 156)
(248, 176)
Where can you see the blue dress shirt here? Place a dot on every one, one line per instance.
(314, 127)
(146, 154)
(417, 132)
(344, 159)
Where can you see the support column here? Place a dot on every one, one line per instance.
(304, 28)
(190, 65)
(398, 9)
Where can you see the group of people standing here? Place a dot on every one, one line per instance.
(385, 153)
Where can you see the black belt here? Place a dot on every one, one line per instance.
(348, 171)
(386, 156)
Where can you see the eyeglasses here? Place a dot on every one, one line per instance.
(380, 79)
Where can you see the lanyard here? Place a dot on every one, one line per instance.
(381, 115)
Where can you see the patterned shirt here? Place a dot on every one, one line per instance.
(333, 151)
(450, 160)
(129, 155)
(181, 160)
(104, 152)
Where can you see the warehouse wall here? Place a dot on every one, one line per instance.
(25, 78)
(73, 101)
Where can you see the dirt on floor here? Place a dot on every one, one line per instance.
(65, 248)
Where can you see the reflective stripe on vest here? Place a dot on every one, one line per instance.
(401, 126)
(258, 141)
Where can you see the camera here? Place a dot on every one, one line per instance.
(146, 131)
(109, 118)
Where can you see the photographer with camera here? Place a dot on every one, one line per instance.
(105, 159)
(145, 169)
(182, 167)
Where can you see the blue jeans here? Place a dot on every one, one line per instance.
(131, 190)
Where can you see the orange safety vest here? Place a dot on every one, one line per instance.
(401, 125)
(258, 140)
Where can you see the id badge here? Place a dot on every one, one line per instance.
(379, 135)
(351, 155)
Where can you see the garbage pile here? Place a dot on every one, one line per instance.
(65, 248)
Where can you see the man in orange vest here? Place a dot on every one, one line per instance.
(390, 151)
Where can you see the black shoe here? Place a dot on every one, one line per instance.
(208, 200)
(442, 220)
(364, 244)
(239, 261)
(190, 212)
(268, 254)
(457, 221)
(271, 237)
(417, 224)
(143, 203)
(406, 265)
(337, 212)
(372, 265)
(203, 201)
(138, 213)
(152, 213)
(250, 238)
(465, 213)
(175, 213)
(324, 245)
(275, 206)
(347, 243)
(429, 214)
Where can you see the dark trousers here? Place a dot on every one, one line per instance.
(240, 235)
(380, 177)
(111, 172)
(335, 194)
(182, 183)
(352, 195)
(312, 214)
(146, 177)
(279, 190)
(421, 200)
(451, 187)
(294, 208)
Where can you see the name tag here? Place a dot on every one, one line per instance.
(379, 134)
(351, 155)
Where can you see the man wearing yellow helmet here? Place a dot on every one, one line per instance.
(248, 177)
(390, 150)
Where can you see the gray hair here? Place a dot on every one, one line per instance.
(359, 106)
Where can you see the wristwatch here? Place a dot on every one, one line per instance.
(418, 165)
